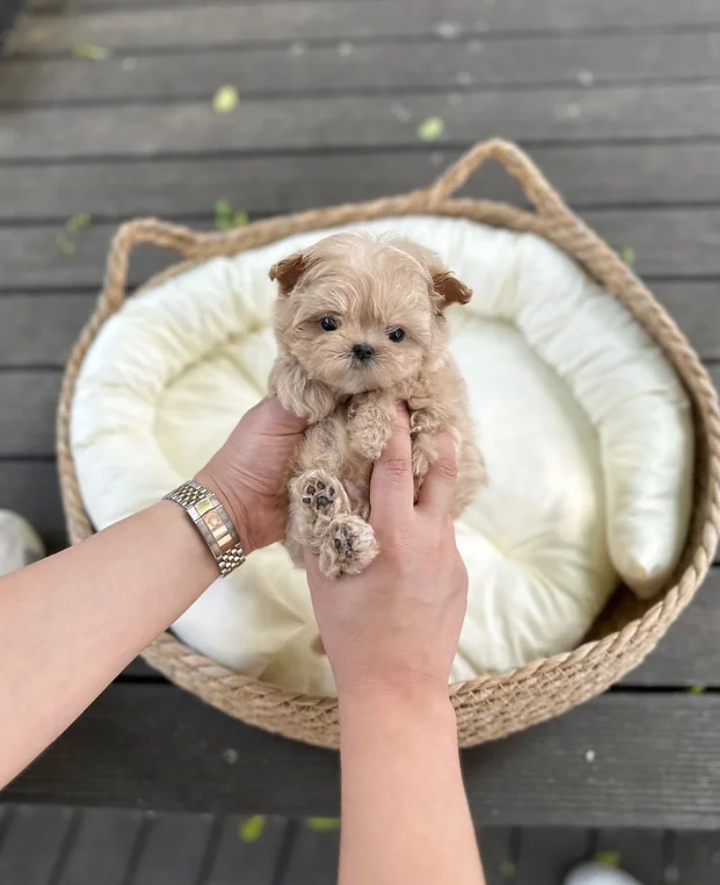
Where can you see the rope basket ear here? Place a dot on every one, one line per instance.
(490, 706)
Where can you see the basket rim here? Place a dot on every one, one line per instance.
(554, 222)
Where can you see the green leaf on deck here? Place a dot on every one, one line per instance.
(251, 829)
(696, 689)
(508, 869)
(608, 858)
(223, 207)
(78, 222)
(323, 824)
(91, 51)
(225, 100)
(627, 253)
(226, 218)
(431, 129)
(65, 245)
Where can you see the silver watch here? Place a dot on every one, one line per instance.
(212, 522)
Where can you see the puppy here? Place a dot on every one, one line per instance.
(360, 327)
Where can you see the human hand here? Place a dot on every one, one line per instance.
(249, 473)
(397, 624)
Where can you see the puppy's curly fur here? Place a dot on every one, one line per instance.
(360, 327)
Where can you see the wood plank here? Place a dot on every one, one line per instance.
(41, 329)
(641, 853)
(314, 856)
(696, 859)
(223, 25)
(31, 489)
(676, 243)
(175, 849)
(155, 746)
(33, 396)
(187, 188)
(557, 115)
(688, 655)
(497, 851)
(547, 854)
(695, 307)
(102, 849)
(245, 857)
(33, 844)
(354, 69)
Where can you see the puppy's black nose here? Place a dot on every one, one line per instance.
(363, 352)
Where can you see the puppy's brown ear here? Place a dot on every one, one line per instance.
(449, 289)
(288, 271)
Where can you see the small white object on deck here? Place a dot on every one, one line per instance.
(599, 874)
(20, 544)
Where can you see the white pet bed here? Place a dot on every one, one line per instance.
(584, 425)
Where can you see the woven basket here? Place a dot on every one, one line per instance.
(490, 706)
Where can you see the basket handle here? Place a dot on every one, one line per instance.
(541, 194)
(182, 240)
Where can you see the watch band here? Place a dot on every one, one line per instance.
(212, 522)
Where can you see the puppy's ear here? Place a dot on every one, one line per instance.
(449, 289)
(288, 271)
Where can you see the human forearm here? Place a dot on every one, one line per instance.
(404, 811)
(70, 623)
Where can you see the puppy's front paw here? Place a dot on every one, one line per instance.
(319, 493)
(349, 547)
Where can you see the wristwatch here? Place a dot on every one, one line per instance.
(213, 523)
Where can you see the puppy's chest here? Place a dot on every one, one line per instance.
(356, 468)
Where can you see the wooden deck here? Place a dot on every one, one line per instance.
(619, 101)
(64, 846)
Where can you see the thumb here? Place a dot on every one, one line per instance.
(282, 421)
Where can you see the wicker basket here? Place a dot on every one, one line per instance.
(491, 706)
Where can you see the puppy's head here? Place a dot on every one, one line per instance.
(360, 314)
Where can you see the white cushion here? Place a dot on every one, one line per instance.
(585, 428)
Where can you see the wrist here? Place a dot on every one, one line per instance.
(233, 503)
(410, 702)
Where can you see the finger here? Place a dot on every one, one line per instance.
(438, 488)
(312, 567)
(282, 421)
(391, 485)
(318, 582)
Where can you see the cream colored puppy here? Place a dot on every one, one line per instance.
(360, 328)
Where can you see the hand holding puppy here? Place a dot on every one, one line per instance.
(397, 625)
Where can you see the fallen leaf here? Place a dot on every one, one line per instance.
(225, 100)
(65, 244)
(431, 129)
(608, 858)
(223, 207)
(91, 51)
(251, 828)
(627, 253)
(78, 222)
(508, 869)
(696, 689)
(226, 218)
(323, 824)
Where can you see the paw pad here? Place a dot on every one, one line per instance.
(319, 496)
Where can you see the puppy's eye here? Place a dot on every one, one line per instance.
(396, 335)
(329, 324)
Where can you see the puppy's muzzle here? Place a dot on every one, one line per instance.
(363, 353)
